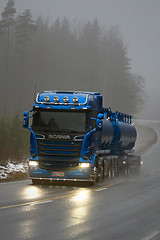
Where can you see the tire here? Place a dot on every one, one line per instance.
(135, 171)
(36, 182)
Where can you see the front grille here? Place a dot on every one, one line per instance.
(58, 155)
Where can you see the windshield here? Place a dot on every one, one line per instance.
(60, 121)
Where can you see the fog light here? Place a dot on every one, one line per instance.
(84, 165)
(65, 99)
(46, 99)
(56, 99)
(33, 163)
(75, 100)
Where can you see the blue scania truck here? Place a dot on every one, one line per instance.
(74, 138)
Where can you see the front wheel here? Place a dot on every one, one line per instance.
(36, 181)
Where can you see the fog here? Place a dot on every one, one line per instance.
(138, 22)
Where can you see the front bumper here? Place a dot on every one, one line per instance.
(81, 174)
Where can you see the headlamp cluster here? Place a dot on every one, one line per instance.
(75, 100)
(56, 99)
(65, 99)
(46, 98)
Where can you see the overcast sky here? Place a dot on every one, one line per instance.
(139, 23)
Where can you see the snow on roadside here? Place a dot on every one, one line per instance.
(12, 168)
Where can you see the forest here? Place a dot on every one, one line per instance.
(37, 54)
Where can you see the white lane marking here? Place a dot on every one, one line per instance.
(150, 236)
(102, 189)
(19, 181)
(37, 203)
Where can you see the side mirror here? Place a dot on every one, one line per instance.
(26, 114)
(100, 116)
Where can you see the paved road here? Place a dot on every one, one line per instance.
(121, 209)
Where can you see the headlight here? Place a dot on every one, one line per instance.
(75, 100)
(65, 99)
(46, 98)
(33, 163)
(56, 99)
(84, 165)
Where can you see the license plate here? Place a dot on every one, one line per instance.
(57, 174)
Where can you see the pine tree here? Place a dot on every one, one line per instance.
(6, 25)
(24, 29)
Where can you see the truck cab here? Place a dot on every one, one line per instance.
(64, 135)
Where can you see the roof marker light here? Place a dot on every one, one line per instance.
(75, 100)
(56, 99)
(65, 99)
(46, 99)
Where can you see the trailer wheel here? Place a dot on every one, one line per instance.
(117, 171)
(135, 171)
(101, 169)
(96, 170)
(104, 169)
